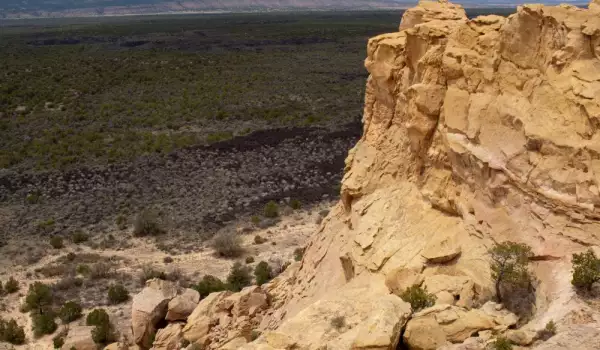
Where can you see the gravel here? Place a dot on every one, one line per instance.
(194, 189)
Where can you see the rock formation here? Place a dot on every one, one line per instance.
(476, 131)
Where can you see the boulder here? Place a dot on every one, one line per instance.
(399, 279)
(234, 344)
(460, 287)
(80, 338)
(521, 337)
(441, 249)
(116, 346)
(181, 306)
(168, 338)
(199, 321)
(149, 307)
(432, 328)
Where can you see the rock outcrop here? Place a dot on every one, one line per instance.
(149, 308)
(476, 131)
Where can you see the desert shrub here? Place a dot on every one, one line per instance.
(254, 335)
(79, 237)
(43, 323)
(502, 343)
(39, 298)
(100, 270)
(121, 222)
(262, 272)
(11, 332)
(295, 204)
(167, 259)
(338, 322)
(548, 332)
(298, 254)
(117, 294)
(239, 277)
(259, 240)
(11, 286)
(209, 284)
(271, 210)
(57, 242)
(58, 341)
(149, 272)
(255, 219)
(103, 332)
(69, 312)
(513, 282)
(586, 270)
(146, 224)
(1, 289)
(83, 269)
(228, 244)
(249, 259)
(418, 298)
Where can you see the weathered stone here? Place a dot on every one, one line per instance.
(520, 336)
(149, 307)
(80, 338)
(168, 338)
(399, 280)
(199, 322)
(181, 306)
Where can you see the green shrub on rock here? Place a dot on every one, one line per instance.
(586, 270)
(502, 343)
(209, 284)
(239, 277)
(418, 298)
(262, 272)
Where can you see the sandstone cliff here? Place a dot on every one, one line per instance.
(475, 132)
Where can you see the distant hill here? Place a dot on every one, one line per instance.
(68, 8)
(74, 8)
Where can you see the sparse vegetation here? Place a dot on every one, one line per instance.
(228, 244)
(209, 284)
(146, 224)
(271, 210)
(255, 219)
(43, 323)
(11, 286)
(11, 332)
(548, 332)
(259, 240)
(167, 259)
(58, 341)
(502, 343)
(418, 298)
(586, 271)
(262, 273)
(338, 322)
(249, 259)
(513, 283)
(295, 204)
(117, 294)
(70, 312)
(149, 272)
(239, 277)
(121, 222)
(79, 237)
(101, 270)
(103, 332)
(298, 254)
(39, 298)
(57, 242)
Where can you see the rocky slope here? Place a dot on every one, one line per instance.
(475, 132)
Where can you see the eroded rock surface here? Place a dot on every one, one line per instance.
(476, 131)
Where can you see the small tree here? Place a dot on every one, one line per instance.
(11, 332)
(43, 324)
(239, 277)
(69, 312)
(58, 341)
(11, 286)
(97, 317)
(418, 298)
(117, 294)
(509, 265)
(586, 270)
(271, 210)
(262, 272)
(39, 298)
(209, 284)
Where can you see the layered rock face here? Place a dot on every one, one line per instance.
(475, 132)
